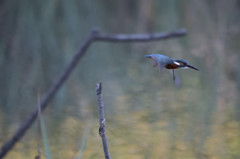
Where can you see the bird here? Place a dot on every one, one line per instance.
(162, 61)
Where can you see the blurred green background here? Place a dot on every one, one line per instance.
(146, 115)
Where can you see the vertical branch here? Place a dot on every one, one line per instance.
(102, 131)
(38, 129)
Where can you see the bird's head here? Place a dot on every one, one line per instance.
(148, 56)
(153, 57)
(184, 64)
(160, 60)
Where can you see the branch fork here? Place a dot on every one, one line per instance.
(94, 36)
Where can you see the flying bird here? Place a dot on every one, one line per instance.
(162, 61)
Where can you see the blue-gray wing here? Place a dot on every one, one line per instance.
(160, 66)
(162, 60)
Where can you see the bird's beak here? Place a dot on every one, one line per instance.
(192, 67)
(148, 56)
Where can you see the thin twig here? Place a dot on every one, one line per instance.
(95, 35)
(102, 131)
(38, 129)
(84, 141)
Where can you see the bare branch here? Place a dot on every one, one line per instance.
(95, 35)
(47, 98)
(102, 131)
(139, 37)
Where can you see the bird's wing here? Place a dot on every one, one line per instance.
(160, 66)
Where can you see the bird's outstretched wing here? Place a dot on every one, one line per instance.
(160, 66)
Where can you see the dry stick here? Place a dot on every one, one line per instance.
(102, 131)
(95, 35)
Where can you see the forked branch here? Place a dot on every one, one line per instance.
(94, 36)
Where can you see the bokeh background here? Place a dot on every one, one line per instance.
(146, 115)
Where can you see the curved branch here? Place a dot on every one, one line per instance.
(95, 35)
